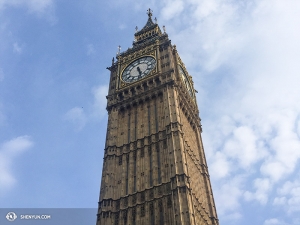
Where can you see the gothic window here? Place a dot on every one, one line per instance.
(133, 199)
(149, 140)
(157, 147)
(142, 152)
(125, 202)
(160, 190)
(160, 205)
(142, 196)
(145, 86)
(151, 194)
(149, 150)
(169, 202)
(118, 205)
(151, 208)
(133, 214)
(142, 141)
(117, 218)
(165, 143)
(164, 132)
(142, 210)
(125, 216)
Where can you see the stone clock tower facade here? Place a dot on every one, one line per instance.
(154, 167)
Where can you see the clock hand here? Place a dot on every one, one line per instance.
(139, 70)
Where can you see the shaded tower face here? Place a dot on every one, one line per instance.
(154, 167)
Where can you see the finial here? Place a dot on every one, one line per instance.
(113, 61)
(164, 28)
(149, 12)
(155, 20)
(136, 28)
(119, 50)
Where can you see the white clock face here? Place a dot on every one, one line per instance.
(138, 69)
(186, 81)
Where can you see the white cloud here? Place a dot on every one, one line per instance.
(242, 146)
(17, 48)
(220, 168)
(289, 196)
(9, 150)
(38, 7)
(122, 26)
(80, 117)
(244, 58)
(100, 102)
(229, 193)
(263, 187)
(77, 116)
(273, 221)
(172, 8)
(90, 49)
(33, 5)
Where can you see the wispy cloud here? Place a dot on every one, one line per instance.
(33, 5)
(289, 195)
(274, 221)
(77, 117)
(9, 150)
(99, 104)
(43, 8)
(248, 54)
(90, 49)
(17, 48)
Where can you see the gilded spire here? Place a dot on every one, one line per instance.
(150, 31)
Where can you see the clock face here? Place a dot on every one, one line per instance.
(138, 69)
(186, 81)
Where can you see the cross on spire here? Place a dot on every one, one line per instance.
(149, 12)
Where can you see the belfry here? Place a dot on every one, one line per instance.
(154, 166)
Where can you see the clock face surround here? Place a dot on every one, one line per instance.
(138, 69)
(185, 81)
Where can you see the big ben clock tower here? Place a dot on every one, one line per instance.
(154, 167)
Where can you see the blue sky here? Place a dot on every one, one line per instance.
(244, 58)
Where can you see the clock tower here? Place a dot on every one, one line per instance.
(154, 166)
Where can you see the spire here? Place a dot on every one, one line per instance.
(149, 22)
(149, 32)
(149, 12)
